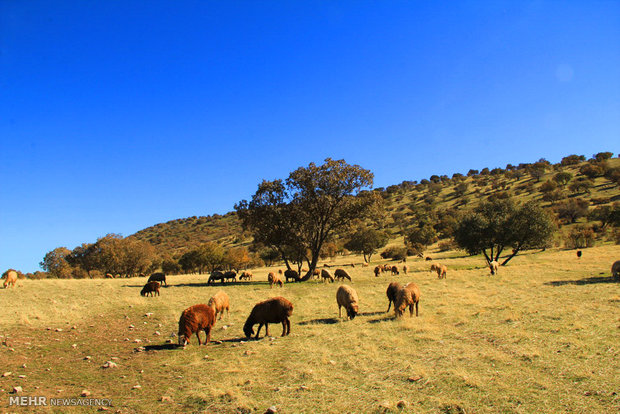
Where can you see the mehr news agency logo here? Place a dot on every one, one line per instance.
(41, 401)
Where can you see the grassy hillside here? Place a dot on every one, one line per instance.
(178, 235)
(539, 337)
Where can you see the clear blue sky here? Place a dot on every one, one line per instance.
(118, 115)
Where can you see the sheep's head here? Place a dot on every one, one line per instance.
(183, 339)
(248, 329)
(353, 310)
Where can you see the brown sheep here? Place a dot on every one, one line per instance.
(10, 278)
(405, 269)
(291, 274)
(615, 269)
(317, 273)
(428, 259)
(408, 295)
(274, 310)
(230, 275)
(346, 297)
(216, 275)
(395, 270)
(274, 279)
(246, 275)
(341, 274)
(220, 303)
(326, 276)
(378, 270)
(158, 277)
(579, 253)
(109, 276)
(150, 287)
(387, 268)
(280, 271)
(391, 292)
(195, 319)
(440, 269)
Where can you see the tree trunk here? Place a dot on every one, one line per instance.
(514, 253)
(315, 260)
(487, 257)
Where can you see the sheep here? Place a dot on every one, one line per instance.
(395, 270)
(408, 295)
(378, 270)
(405, 269)
(246, 275)
(493, 266)
(579, 253)
(428, 259)
(195, 319)
(391, 292)
(346, 297)
(220, 302)
(365, 264)
(158, 277)
(387, 268)
(230, 275)
(326, 276)
(341, 274)
(216, 275)
(150, 287)
(10, 278)
(440, 269)
(273, 279)
(317, 273)
(291, 274)
(274, 310)
(615, 269)
(280, 271)
(109, 276)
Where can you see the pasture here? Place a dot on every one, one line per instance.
(540, 336)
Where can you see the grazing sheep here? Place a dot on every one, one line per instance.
(346, 297)
(274, 279)
(395, 270)
(109, 276)
(615, 269)
(246, 275)
(158, 277)
(150, 287)
(428, 259)
(317, 273)
(391, 292)
(10, 278)
(230, 275)
(341, 274)
(291, 274)
(387, 268)
(408, 295)
(274, 310)
(220, 302)
(579, 253)
(405, 269)
(216, 275)
(378, 270)
(280, 271)
(493, 266)
(195, 319)
(440, 269)
(326, 276)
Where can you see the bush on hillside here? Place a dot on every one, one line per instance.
(580, 237)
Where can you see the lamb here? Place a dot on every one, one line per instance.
(341, 274)
(216, 275)
(346, 297)
(579, 253)
(440, 269)
(195, 319)
(274, 280)
(391, 292)
(10, 278)
(246, 275)
(158, 277)
(109, 276)
(220, 302)
(409, 295)
(291, 274)
(395, 270)
(150, 287)
(615, 269)
(274, 310)
(405, 269)
(378, 270)
(230, 275)
(493, 266)
(428, 259)
(326, 276)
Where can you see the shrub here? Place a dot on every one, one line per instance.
(447, 245)
(394, 252)
(580, 237)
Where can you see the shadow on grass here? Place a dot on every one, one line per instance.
(371, 313)
(162, 347)
(388, 317)
(587, 281)
(322, 321)
(205, 284)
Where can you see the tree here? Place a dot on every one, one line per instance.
(494, 226)
(581, 185)
(460, 189)
(537, 170)
(55, 264)
(85, 257)
(602, 156)
(592, 170)
(314, 203)
(237, 258)
(572, 210)
(563, 178)
(572, 159)
(367, 242)
(421, 236)
(607, 215)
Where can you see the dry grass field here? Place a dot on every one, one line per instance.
(541, 336)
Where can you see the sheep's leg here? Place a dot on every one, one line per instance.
(198, 336)
(266, 329)
(389, 306)
(286, 327)
(339, 311)
(208, 333)
(260, 325)
(416, 309)
(411, 310)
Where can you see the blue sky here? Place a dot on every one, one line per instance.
(118, 115)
